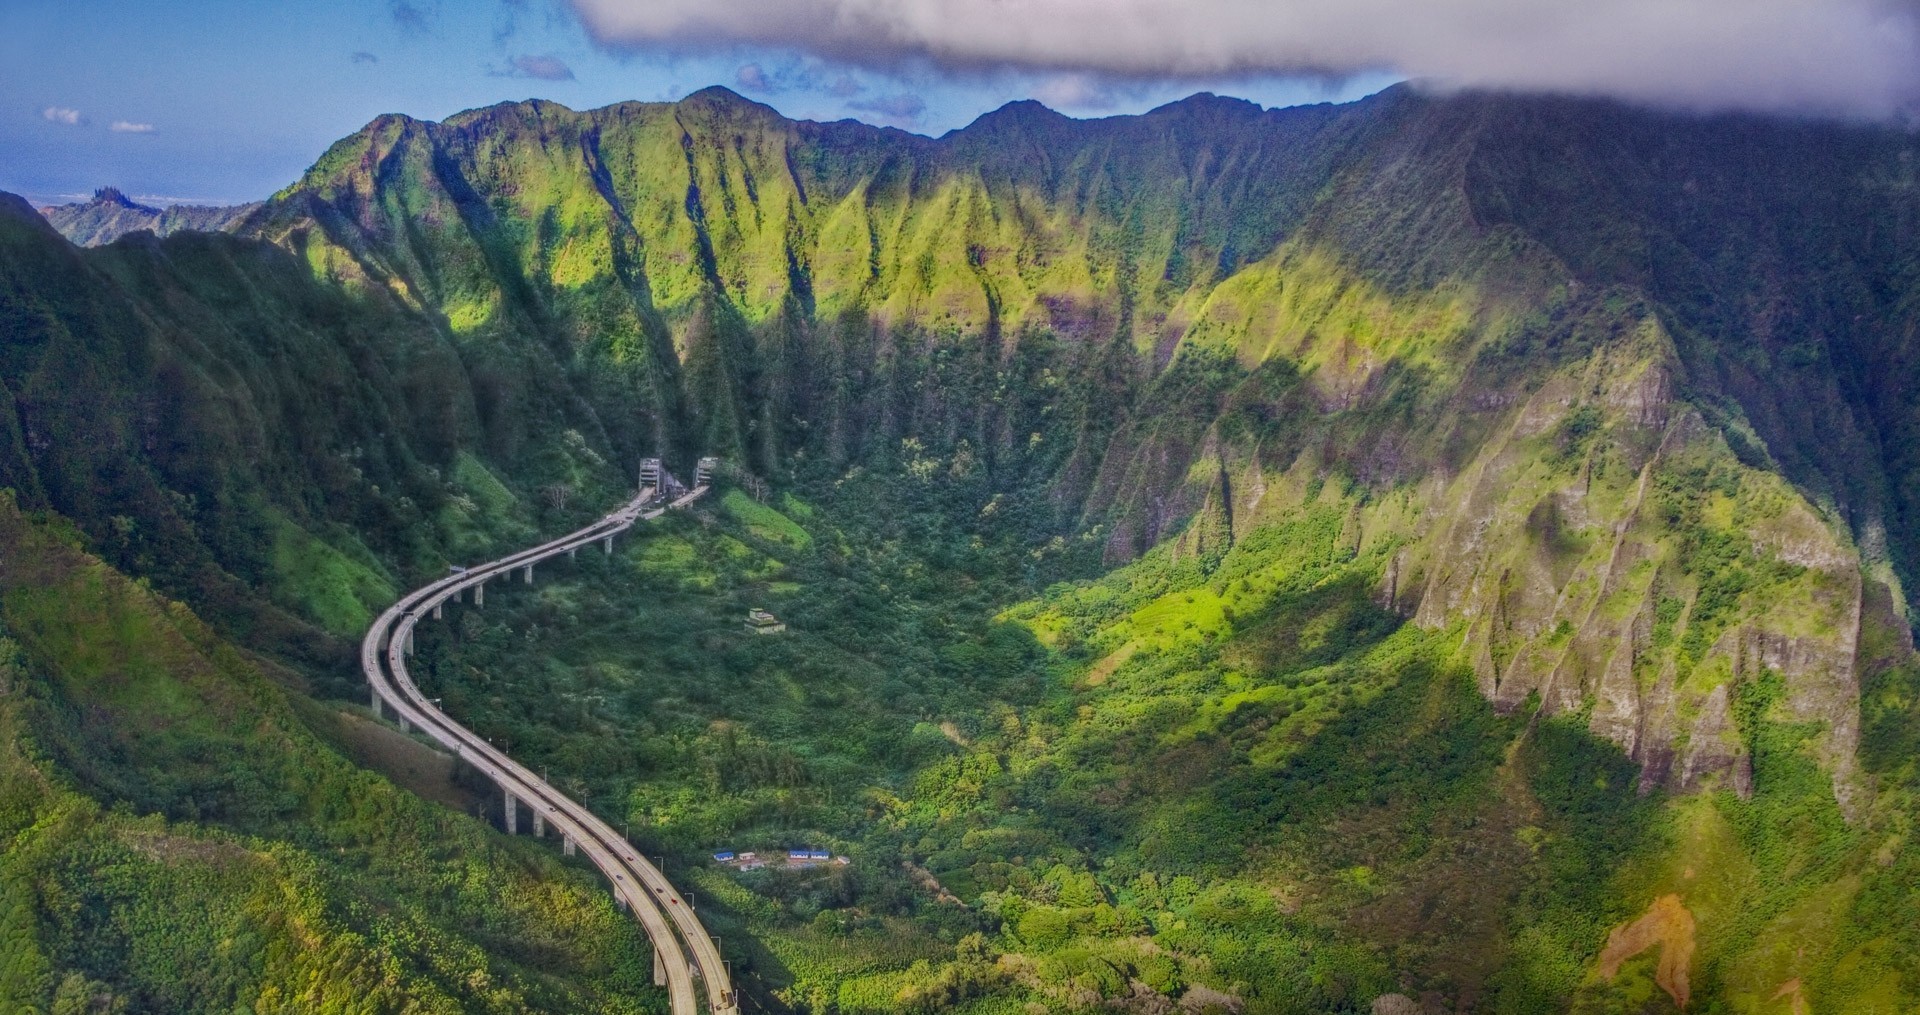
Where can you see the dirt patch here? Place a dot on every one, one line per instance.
(952, 732)
(408, 762)
(1796, 998)
(1666, 923)
(176, 848)
(1105, 667)
(925, 879)
(1199, 999)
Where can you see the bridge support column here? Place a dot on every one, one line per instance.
(405, 727)
(480, 594)
(376, 705)
(439, 610)
(567, 846)
(608, 546)
(539, 825)
(512, 813)
(526, 575)
(407, 649)
(572, 553)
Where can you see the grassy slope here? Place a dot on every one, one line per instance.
(178, 838)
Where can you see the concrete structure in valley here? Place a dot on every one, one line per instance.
(762, 622)
(683, 950)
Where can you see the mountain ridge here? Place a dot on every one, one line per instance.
(1594, 414)
(730, 238)
(110, 215)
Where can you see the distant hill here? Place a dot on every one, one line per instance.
(111, 215)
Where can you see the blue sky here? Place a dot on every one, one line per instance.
(226, 101)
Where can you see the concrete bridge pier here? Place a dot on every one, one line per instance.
(376, 705)
(539, 825)
(572, 552)
(439, 610)
(405, 726)
(567, 845)
(526, 575)
(512, 813)
(406, 648)
(608, 546)
(480, 594)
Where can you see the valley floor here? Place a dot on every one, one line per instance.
(1199, 783)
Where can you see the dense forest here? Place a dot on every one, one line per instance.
(1419, 555)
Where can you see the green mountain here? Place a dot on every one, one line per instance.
(111, 215)
(1422, 554)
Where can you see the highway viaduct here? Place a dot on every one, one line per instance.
(684, 954)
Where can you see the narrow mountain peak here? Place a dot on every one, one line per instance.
(522, 111)
(725, 103)
(1207, 103)
(719, 93)
(1027, 113)
(113, 196)
(722, 97)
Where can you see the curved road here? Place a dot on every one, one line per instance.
(684, 949)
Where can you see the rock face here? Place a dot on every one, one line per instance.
(1397, 299)
(1572, 421)
(1615, 583)
(1604, 550)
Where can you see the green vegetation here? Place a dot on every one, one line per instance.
(1264, 559)
(341, 592)
(180, 837)
(1230, 772)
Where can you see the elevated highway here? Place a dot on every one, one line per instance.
(684, 952)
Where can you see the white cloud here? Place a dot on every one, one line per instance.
(900, 110)
(126, 127)
(1076, 90)
(1856, 57)
(753, 78)
(544, 68)
(61, 114)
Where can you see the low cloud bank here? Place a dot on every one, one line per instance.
(1839, 57)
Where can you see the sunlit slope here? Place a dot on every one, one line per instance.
(181, 837)
(273, 450)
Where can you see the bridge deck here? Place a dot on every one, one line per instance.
(686, 951)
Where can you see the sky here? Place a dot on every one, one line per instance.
(230, 100)
(224, 101)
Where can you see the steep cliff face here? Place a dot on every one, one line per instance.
(733, 280)
(1595, 544)
(1611, 410)
(246, 438)
(1624, 392)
